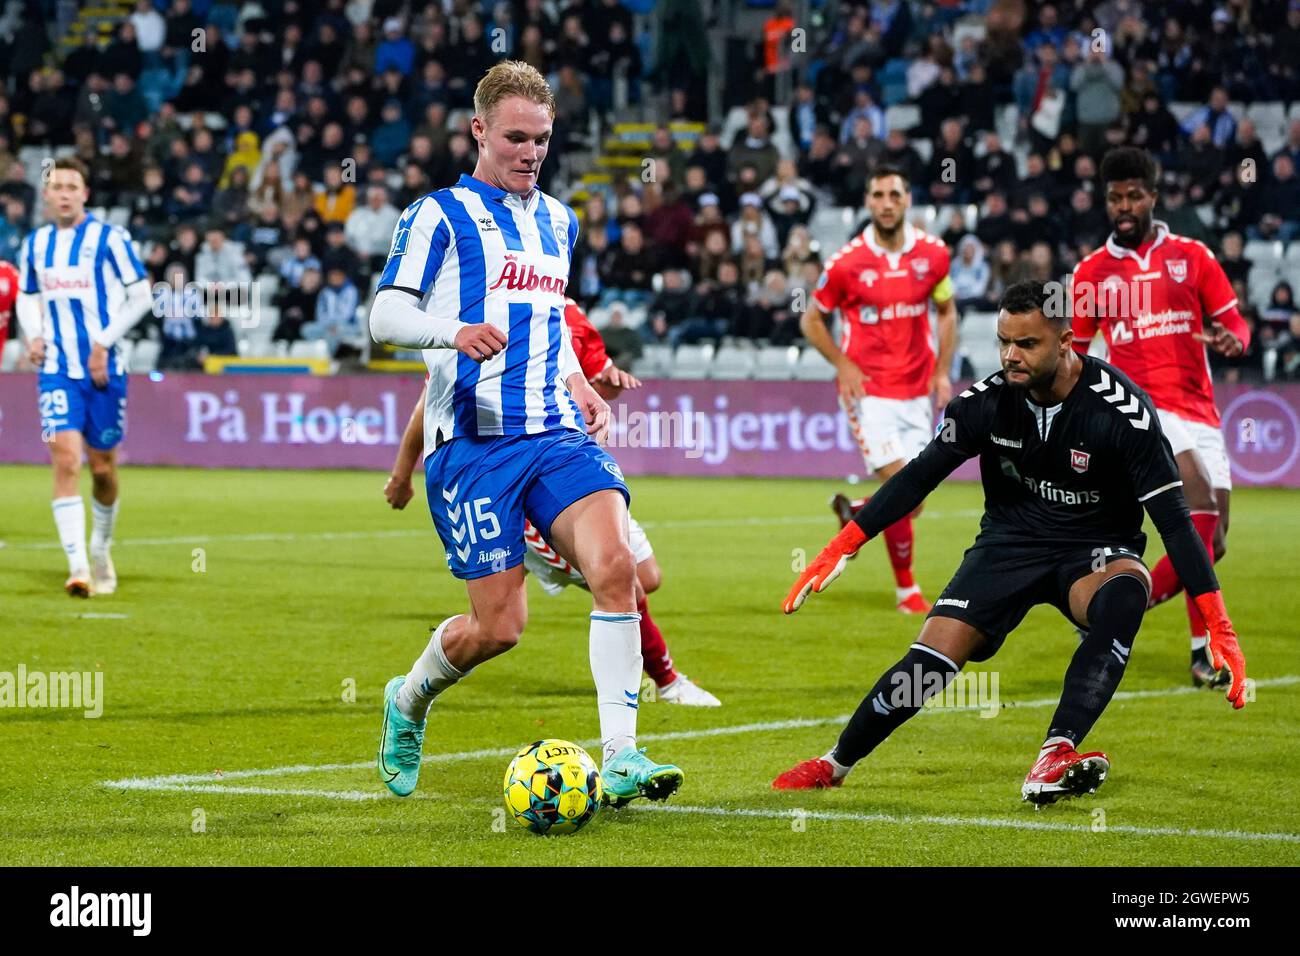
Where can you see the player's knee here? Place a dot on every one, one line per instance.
(615, 572)
(102, 470)
(1219, 544)
(501, 634)
(66, 463)
(648, 573)
(1120, 599)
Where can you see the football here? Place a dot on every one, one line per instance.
(552, 787)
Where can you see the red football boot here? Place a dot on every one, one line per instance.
(815, 774)
(914, 603)
(1061, 771)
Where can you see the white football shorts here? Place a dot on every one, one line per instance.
(890, 429)
(1205, 440)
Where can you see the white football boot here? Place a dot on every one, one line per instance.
(686, 691)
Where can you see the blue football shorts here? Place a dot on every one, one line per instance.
(481, 490)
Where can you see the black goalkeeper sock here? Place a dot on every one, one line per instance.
(900, 692)
(1114, 616)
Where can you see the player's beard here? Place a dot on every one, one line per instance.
(1140, 231)
(888, 233)
(1033, 381)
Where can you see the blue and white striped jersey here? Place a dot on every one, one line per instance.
(482, 254)
(81, 274)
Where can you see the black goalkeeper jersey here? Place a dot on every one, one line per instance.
(1070, 474)
(1073, 475)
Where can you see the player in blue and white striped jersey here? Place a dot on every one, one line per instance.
(476, 279)
(81, 287)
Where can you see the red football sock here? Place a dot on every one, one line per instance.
(654, 649)
(898, 542)
(1164, 580)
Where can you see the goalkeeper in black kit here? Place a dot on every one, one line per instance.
(1070, 452)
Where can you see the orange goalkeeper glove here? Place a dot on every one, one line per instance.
(826, 567)
(1224, 649)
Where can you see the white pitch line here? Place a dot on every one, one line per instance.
(291, 536)
(182, 780)
(843, 816)
(356, 796)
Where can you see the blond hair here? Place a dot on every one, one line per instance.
(511, 78)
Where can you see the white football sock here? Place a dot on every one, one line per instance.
(615, 651)
(840, 770)
(1051, 742)
(70, 519)
(430, 675)
(1199, 642)
(103, 517)
(902, 594)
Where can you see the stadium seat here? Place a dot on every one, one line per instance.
(1292, 257)
(310, 349)
(1260, 283)
(691, 361)
(13, 351)
(733, 363)
(655, 361)
(830, 227)
(978, 333)
(144, 357)
(903, 116)
(635, 318)
(775, 363)
(268, 284)
(1263, 253)
(813, 367)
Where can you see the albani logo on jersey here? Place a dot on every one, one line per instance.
(75, 283)
(528, 279)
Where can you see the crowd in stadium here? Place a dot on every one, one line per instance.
(288, 140)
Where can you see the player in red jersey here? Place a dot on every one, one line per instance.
(886, 374)
(1159, 299)
(551, 570)
(8, 296)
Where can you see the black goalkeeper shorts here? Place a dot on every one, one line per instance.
(998, 583)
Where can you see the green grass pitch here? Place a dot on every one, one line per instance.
(231, 733)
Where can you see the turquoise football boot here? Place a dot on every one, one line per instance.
(401, 743)
(630, 774)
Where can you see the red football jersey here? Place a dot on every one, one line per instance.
(1150, 304)
(8, 296)
(587, 343)
(884, 302)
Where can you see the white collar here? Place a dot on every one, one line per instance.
(909, 240)
(1121, 252)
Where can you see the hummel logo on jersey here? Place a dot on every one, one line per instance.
(1006, 442)
(487, 224)
(1130, 408)
(1079, 460)
(868, 277)
(951, 602)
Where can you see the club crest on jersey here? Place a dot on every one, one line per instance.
(1079, 460)
(868, 277)
(562, 235)
(1177, 269)
(400, 242)
(920, 267)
